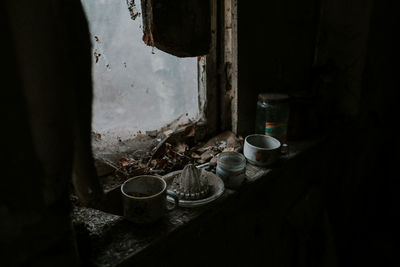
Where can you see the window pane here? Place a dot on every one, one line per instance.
(136, 87)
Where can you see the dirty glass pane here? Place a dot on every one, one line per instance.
(136, 87)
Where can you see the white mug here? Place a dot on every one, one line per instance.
(261, 150)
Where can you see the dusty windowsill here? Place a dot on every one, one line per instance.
(109, 240)
(142, 146)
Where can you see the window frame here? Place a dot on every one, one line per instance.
(221, 108)
(217, 89)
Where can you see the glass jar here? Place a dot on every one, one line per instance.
(231, 168)
(272, 115)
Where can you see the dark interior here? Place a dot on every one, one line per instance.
(336, 205)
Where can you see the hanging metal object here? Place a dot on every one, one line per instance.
(178, 27)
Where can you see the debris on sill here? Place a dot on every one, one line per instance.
(173, 154)
(107, 239)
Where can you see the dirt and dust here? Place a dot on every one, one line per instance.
(173, 154)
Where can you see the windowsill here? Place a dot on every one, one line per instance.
(109, 240)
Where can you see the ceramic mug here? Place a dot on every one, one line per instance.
(145, 198)
(261, 150)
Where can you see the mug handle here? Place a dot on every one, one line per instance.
(172, 194)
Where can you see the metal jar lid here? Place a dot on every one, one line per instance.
(273, 97)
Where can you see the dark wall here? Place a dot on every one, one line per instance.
(276, 42)
(314, 50)
(346, 77)
(363, 200)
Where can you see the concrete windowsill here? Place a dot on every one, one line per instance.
(109, 240)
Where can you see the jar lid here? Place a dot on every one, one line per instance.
(273, 97)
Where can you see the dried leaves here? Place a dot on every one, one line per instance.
(170, 156)
(131, 167)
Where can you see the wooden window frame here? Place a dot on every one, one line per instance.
(217, 84)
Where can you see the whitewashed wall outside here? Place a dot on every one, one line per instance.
(136, 87)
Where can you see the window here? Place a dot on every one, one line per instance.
(137, 88)
(140, 91)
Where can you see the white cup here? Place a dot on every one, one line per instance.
(261, 150)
